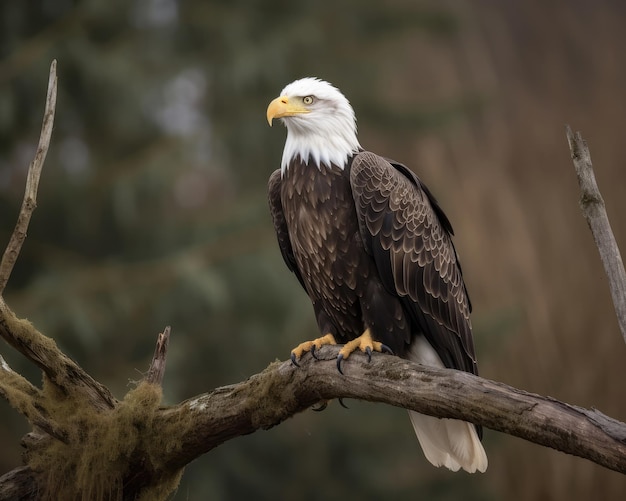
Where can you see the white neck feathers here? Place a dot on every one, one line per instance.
(319, 148)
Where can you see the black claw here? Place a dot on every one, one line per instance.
(321, 407)
(294, 360)
(368, 350)
(385, 349)
(342, 404)
(313, 353)
(339, 359)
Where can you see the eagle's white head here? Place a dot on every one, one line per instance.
(320, 122)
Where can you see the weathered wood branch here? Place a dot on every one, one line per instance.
(157, 366)
(198, 425)
(26, 399)
(594, 210)
(59, 369)
(32, 183)
(20, 483)
(282, 390)
(85, 444)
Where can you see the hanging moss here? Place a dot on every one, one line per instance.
(102, 447)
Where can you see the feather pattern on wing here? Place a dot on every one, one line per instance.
(409, 237)
(280, 224)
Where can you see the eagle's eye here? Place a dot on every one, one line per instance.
(307, 99)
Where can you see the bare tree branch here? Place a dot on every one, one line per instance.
(19, 483)
(177, 435)
(32, 183)
(268, 398)
(61, 370)
(26, 399)
(19, 383)
(157, 367)
(594, 210)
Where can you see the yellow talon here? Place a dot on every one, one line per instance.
(363, 342)
(316, 344)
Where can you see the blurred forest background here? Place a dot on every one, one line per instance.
(152, 211)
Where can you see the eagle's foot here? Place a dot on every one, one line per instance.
(311, 346)
(366, 344)
(321, 406)
(324, 403)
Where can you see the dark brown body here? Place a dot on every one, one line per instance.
(373, 250)
(339, 276)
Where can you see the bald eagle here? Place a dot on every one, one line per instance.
(373, 250)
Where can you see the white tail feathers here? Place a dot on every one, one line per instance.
(445, 442)
(450, 443)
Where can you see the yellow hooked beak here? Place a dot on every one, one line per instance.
(283, 107)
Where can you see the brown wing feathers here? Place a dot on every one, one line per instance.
(280, 225)
(408, 235)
